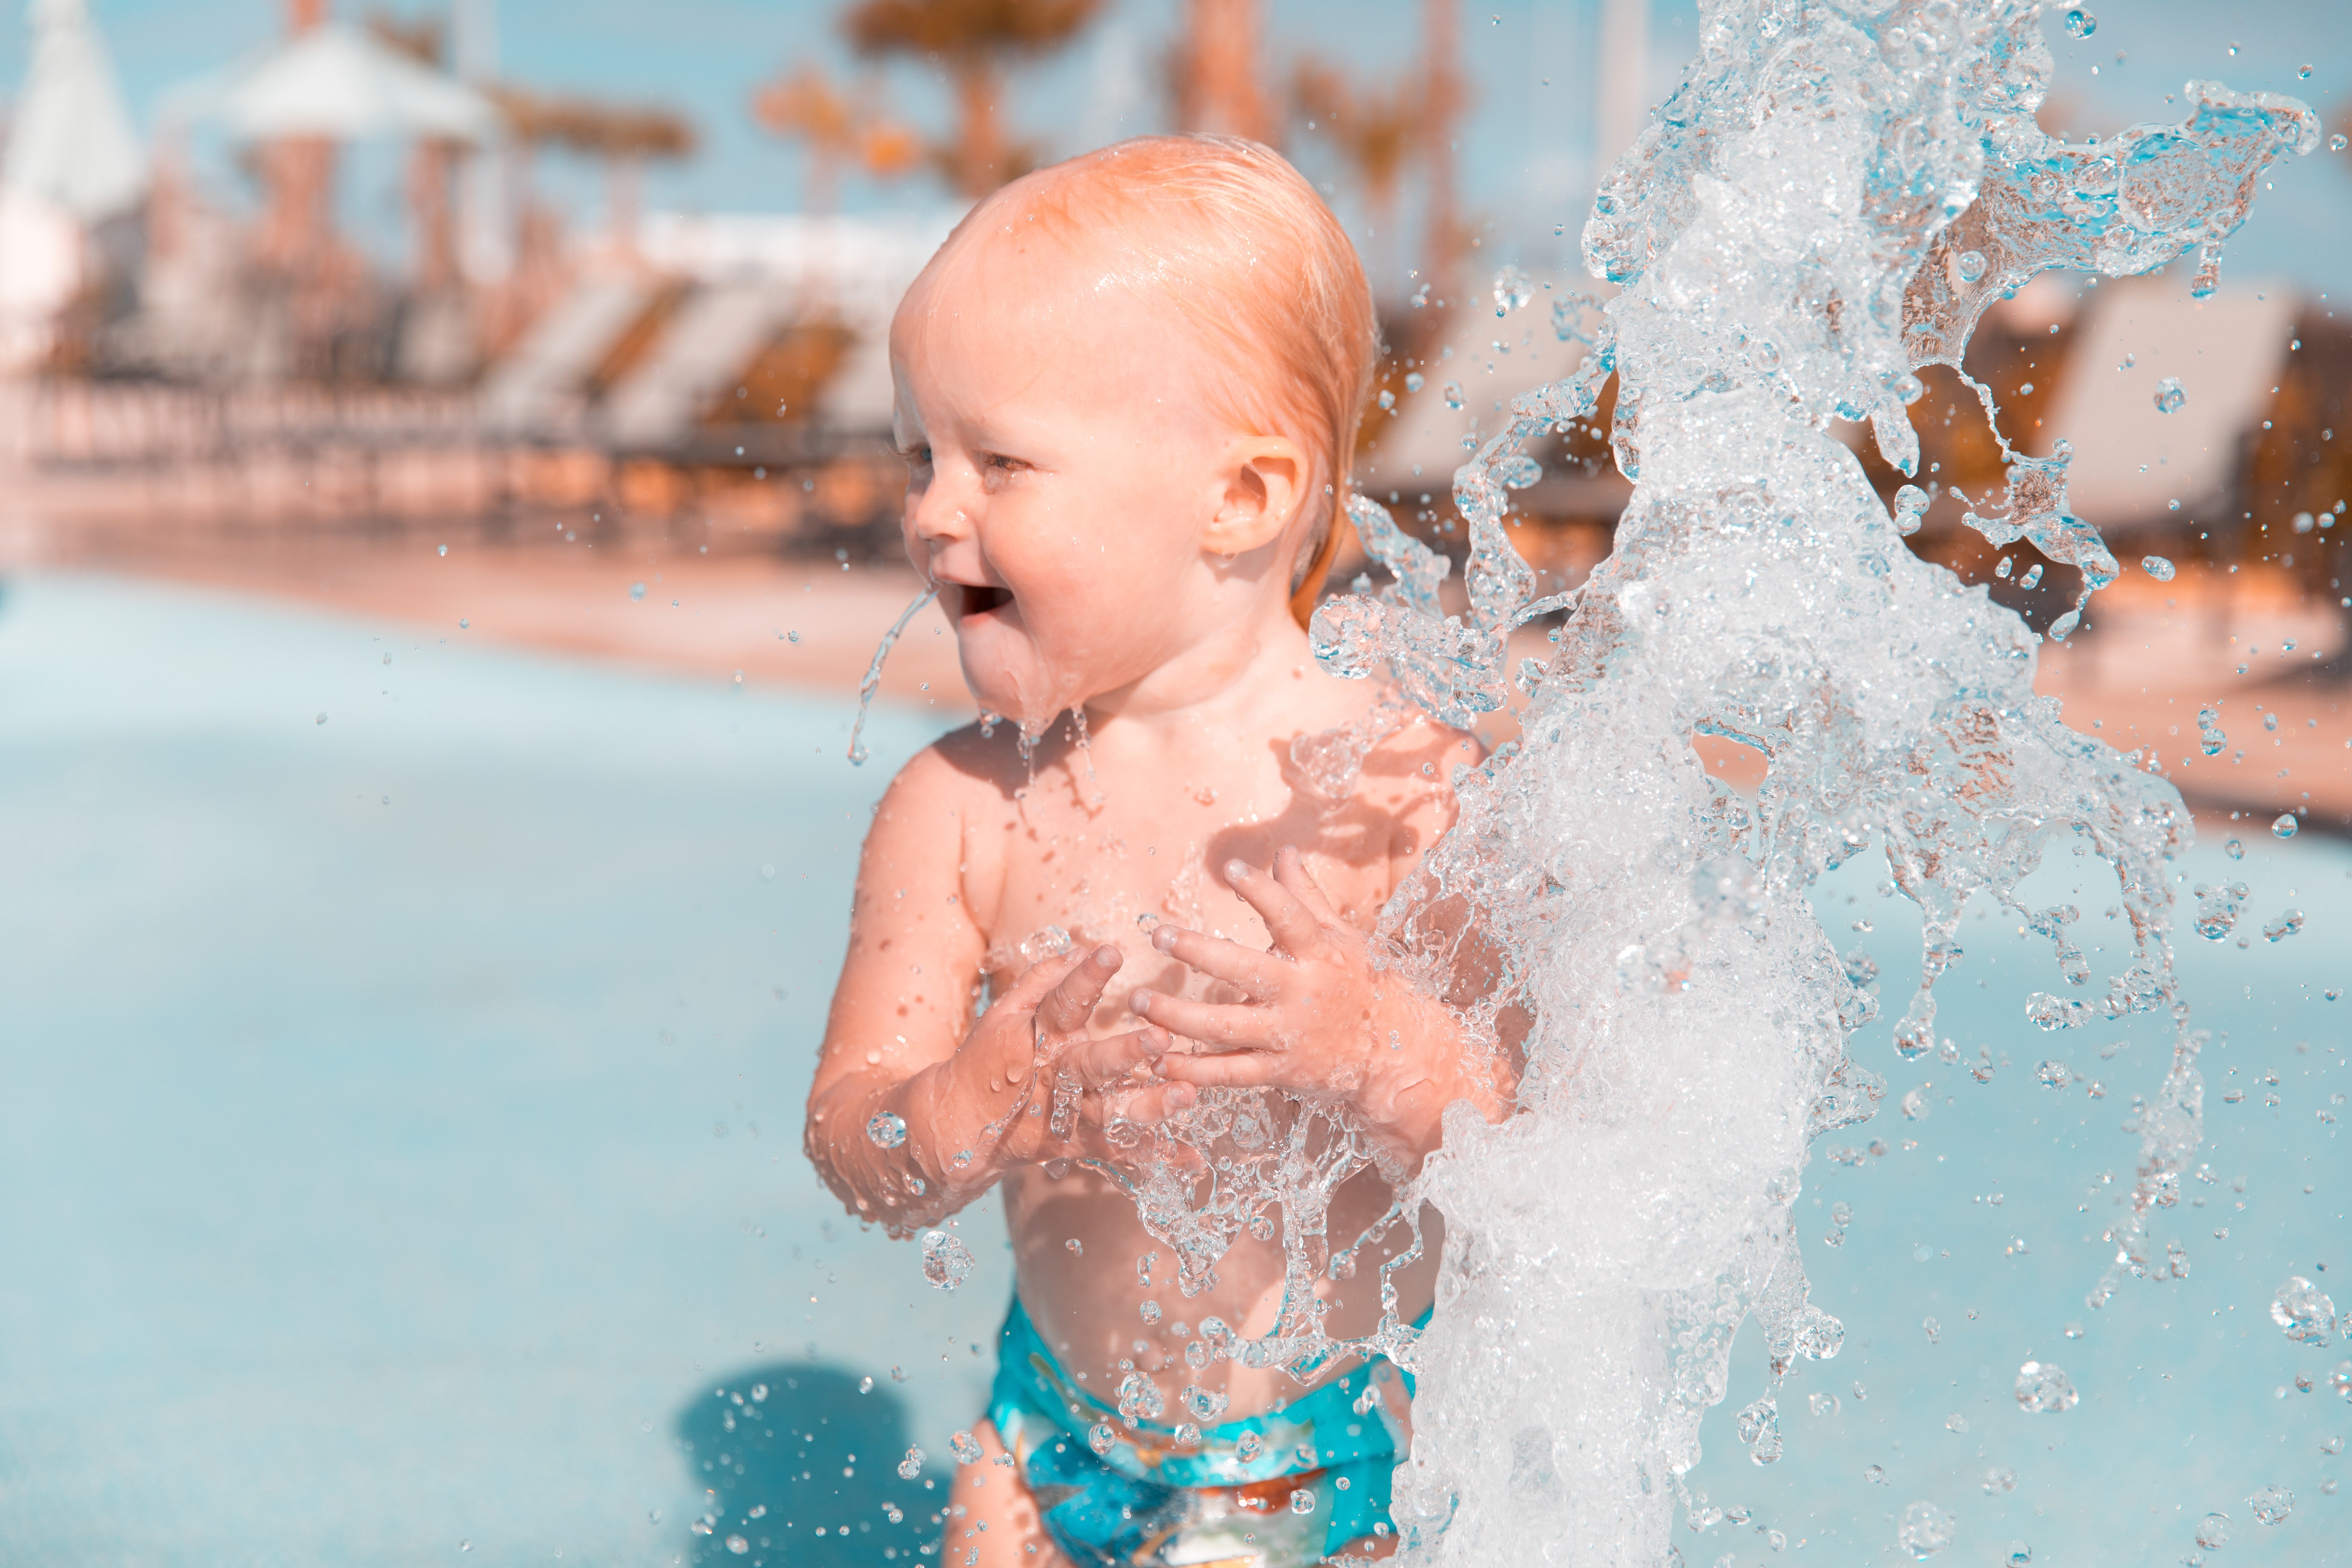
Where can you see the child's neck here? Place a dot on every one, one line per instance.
(1229, 679)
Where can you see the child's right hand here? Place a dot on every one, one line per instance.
(1036, 1088)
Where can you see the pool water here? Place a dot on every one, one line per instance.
(1991, 1226)
(399, 1155)
(401, 1137)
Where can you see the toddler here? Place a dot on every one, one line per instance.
(1127, 388)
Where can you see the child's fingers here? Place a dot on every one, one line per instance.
(1231, 1070)
(1095, 1063)
(1066, 1007)
(1028, 989)
(1148, 1102)
(1258, 974)
(1290, 870)
(1293, 924)
(1207, 1022)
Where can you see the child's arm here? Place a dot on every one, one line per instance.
(1022, 1085)
(1320, 1018)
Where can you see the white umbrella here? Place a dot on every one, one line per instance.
(341, 82)
(71, 144)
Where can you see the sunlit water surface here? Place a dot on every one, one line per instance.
(400, 1148)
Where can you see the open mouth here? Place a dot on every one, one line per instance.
(978, 599)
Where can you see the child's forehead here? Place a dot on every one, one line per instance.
(1016, 294)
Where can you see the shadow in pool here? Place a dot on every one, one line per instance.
(799, 1468)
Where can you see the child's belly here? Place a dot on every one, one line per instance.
(1110, 1300)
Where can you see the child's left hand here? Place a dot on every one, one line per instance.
(1320, 1019)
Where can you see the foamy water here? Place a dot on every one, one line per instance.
(1823, 208)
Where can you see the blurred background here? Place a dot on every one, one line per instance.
(446, 509)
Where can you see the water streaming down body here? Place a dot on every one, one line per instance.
(1824, 208)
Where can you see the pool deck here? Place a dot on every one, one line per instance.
(2155, 654)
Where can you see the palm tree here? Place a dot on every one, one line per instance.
(620, 136)
(1376, 130)
(974, 39)
(837, 130)
(1217, 70)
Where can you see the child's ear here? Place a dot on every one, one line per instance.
(1260, 489)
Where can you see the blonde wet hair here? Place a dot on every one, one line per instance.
(1241, 246)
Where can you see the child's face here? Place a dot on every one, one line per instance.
(1067, 477)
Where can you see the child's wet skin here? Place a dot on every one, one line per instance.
(1113, 515)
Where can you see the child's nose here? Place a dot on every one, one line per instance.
(939, 514)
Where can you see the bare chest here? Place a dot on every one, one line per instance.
(1086, 856)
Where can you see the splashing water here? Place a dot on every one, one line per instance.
(1823, 208)
(873, 681)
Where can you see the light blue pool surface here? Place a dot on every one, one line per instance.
(399, 1149)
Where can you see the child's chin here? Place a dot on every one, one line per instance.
(991, 686)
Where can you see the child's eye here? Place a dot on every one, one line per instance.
(996, 469)
(916, 456)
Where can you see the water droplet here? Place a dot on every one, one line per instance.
(1759, 1427)
(1453, 395)
(947, 1262)
(2302, 1311)
(2019, 1554)
(2213, 1531)
(1303, 1501)
(966, 1447)
(2337, 142)
(866, 1385)
(912, 1465)
(1925, 1530)
(2054, 1074)
(2285, 826)
(443, 550)
(887, 1129)
(1151, 1310)
(2157, 567)
(1101, 1438)
(1387, 398)
(2234, 850)
(636, 592)
(2285, 926)
(1922, 1253)
(1910, 510)
(2271, 1505)
(1972, 266)
(2000, 1480)
(2045, 1390)
(2081, 23)
(1414, 380)
(322, 718)
(2170, 396)
(1875, 1474)
(1519, 471)
(738, 1545)
(1512, 289)
(1821, 1403)
(464, 625)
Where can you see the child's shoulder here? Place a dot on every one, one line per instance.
(1410, 754)
(972, 766)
